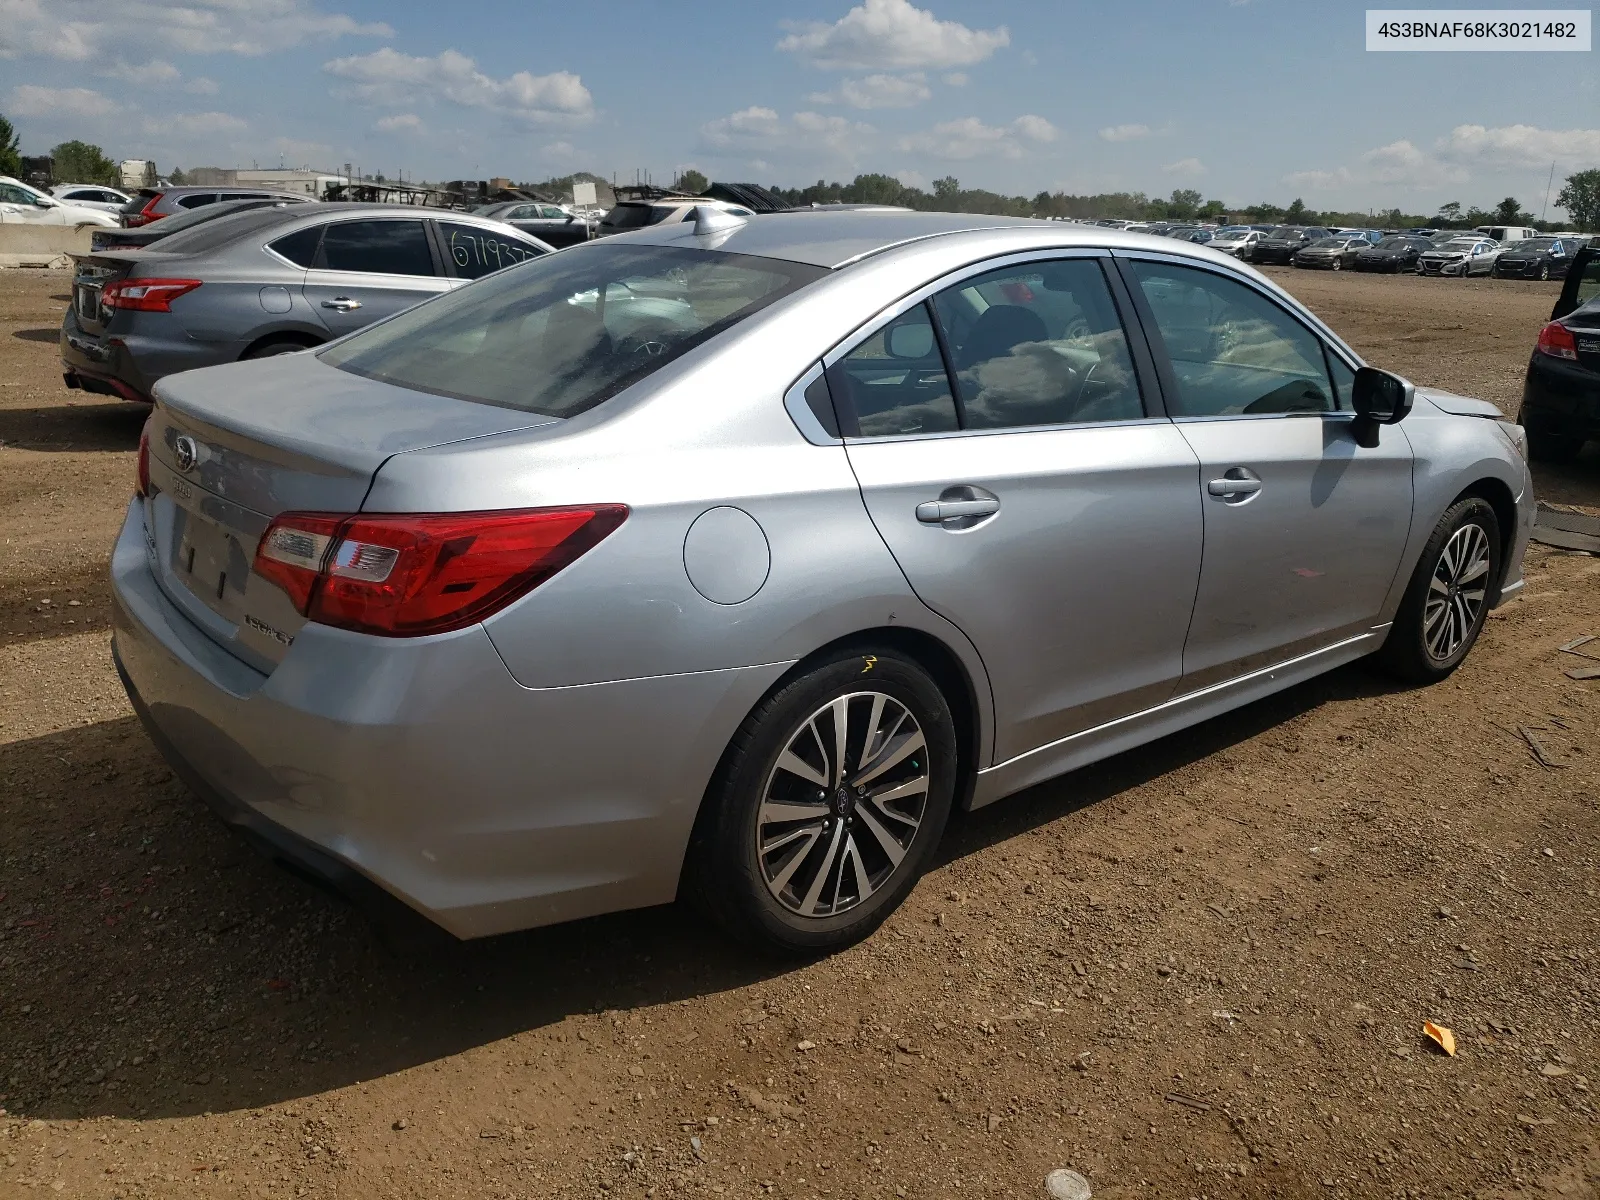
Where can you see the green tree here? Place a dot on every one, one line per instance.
(1211, 210)
(1184, 202)
(10, 156)
(1450, 214)
(1296, 213)
(1580, 196)
(178, 178)
(692, 182)
(1509, 212)
(79, 162)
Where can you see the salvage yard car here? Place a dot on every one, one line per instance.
(1394, 254)
(1330, 253)
(24, 205)
(1561, 391)
(263, 282)
(518, 609)
(1460, 257)
(155, 204)
(1536, 258)
(1282, 243)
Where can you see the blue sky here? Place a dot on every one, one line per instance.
(1244, 100)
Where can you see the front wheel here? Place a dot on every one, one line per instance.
(1544, 273)
(1447, 600)
(1337, 265)
(827, 806)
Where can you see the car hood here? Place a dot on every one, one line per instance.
(1459, 406)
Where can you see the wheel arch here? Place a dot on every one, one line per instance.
(1498, 496)
(299, 337)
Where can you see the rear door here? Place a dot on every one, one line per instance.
(1017, 465)
(369, 268)
(1304, 528)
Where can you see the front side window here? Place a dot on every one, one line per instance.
(1232, 350)
(475, 252)
(377, 248)
(558, 335)
(1038, 344)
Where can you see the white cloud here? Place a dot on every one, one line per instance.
(387, 76)
(201, 86)
(194, 124)
(399, 123)
(99, 34)
(154, 71)
(559, 150)
(295, 150)
(1189, 168)
(971, 138)
(1318, 181)
(891, 35)
(878, 91)
(759, 128)
(28, 100)
(956, 79)
(1522, 146)
(914, 179)
(1401, 164)
(1125, 133)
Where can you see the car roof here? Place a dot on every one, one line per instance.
(834, 239)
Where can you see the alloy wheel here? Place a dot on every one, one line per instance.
(1456, 592)
(842, 804)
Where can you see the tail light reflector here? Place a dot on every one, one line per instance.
(145, 295)
(143, 486)
(146, 214)
(405, 575)
(1556, 340)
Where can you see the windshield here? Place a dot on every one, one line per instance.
(1329, 243)
(1459, 245)
(1539, 244)
(1395, 243)
(1233, 235)
(627, 216)
(558, 335)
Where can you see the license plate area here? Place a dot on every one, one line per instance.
(210, 562)
(86, 301)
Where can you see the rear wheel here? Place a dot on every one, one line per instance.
(1447, 600)
(827, 806)
(1337, 265)
(1544, 271)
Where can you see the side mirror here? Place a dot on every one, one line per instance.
(909, 340)
(1379, 398)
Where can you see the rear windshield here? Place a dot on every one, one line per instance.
(558, 335)
(627, 216)
(224, 227)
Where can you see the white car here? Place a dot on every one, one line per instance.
(90, 195)
(1461, 257)
(23, 205)
(1234, 241)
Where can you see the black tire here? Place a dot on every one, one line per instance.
(732, 881)
(1336, 265)
(1544, 272)
(1419, 649)
(273, 349)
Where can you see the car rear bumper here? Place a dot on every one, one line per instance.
(1560, 398)
(128, 364)
(421, 766)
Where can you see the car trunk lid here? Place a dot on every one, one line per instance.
(92, 272)
(231, 447)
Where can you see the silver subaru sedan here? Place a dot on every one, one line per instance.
(722, 559)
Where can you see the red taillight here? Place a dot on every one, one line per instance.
(408, 575)
(145, 295)
(144, 461)
(146, 214)
(1556, 340)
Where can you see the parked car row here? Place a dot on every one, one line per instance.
(21, 204)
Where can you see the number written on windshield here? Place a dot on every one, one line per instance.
(476, 252)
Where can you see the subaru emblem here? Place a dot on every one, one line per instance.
(188, 453)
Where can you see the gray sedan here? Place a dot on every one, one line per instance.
(262, 282)
(723, 559)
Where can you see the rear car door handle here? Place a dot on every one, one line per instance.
(932, 512)
(341, 304)
(1234, 487)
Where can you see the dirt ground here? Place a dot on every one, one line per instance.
(1197, 970)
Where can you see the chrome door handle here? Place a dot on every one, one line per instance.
(932, 512)
(341, 304)
(1234, 487)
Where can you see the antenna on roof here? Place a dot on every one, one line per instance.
(709, 220)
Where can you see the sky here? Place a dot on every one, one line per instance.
(1243, 100)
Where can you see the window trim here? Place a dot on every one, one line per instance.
(1330, 343)
(1149, 382)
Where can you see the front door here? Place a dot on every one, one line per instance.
(1304, 529)
(1004, 452)
(371, 268)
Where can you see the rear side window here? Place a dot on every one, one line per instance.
(197, 199)
(377, 248)
(1232, 350)
(1589, 281)
(627, 216)
(560, 334)
(474, 252)
(300, 247)
(1038, 344)
(894, 383)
